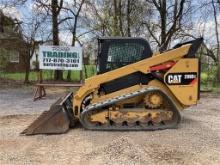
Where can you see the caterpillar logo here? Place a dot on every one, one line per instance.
(181, 78)
(174, 79)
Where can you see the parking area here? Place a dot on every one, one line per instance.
(196, 141)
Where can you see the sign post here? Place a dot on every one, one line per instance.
(57, 58)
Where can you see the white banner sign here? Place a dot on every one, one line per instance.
(60, 57)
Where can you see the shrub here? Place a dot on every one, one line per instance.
(204, 78)
(3, 59)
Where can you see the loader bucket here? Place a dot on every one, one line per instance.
(55, 121)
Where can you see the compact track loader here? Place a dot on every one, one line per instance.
(133, 90)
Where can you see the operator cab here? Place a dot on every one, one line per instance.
(116, 52)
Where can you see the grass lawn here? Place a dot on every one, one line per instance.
(216, 89)
(48, 74)
(75, 76)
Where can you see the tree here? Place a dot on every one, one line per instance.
(217, 38)
(129, 4)
(55, 9)
(216, 29)
(171, 15)
(117, 18)
(52, 9)
(31, 30)
(71, 20)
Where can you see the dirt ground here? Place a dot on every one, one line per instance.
(196, 141)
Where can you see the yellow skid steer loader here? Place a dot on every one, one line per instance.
(134, 89)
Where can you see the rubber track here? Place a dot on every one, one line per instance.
(97, 107)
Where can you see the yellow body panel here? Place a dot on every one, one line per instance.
(186, 94)
(92, 84)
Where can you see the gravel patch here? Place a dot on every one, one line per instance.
(20, 100)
